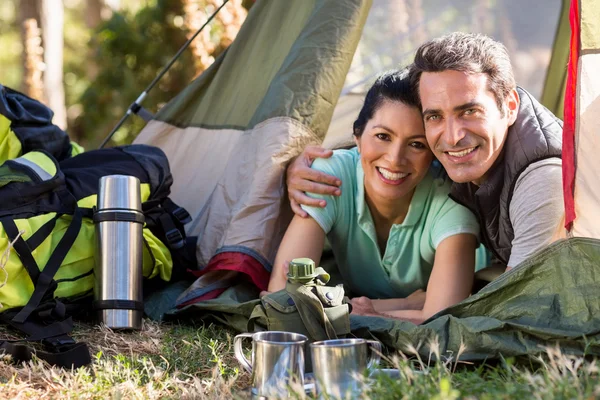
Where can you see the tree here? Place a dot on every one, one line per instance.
(217, 37)
(32, 55)
(52, 17)
(94, 10)
(133, 46)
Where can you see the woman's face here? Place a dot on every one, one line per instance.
(394, 152)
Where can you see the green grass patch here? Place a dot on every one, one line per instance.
(196, 362)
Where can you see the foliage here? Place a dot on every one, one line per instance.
(77, 37)
(130, 50)
(10, 43)
(106, 69)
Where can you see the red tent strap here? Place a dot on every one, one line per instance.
(568, 151)
(240, 262)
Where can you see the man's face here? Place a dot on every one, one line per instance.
(464, 127)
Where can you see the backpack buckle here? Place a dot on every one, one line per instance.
(59, 341)
(175, 239)
(182, 215)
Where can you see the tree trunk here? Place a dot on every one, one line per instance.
(29, 24)
(95, 13)
(52, 16)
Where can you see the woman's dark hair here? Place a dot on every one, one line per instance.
(391, 85)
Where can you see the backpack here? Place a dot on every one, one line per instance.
(318, 311)
(26, 125)
(46, 216)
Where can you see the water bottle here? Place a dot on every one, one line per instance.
(118, 255)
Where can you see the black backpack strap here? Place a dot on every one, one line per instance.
(178, 212)
(42, 233)
(60, 348)
(73, 355)
(12, 232)
(173, 235)
(169, 220)
(43, 280)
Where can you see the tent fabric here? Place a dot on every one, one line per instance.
(587, 188)
(231, 132)
(553, 96)
(587, 127)
(551, 298)
(339, 133)
(590, 27)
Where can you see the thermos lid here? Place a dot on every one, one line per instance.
(301, 269)
(119, 192)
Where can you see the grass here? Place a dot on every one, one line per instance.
(197, 362)
(161, 361)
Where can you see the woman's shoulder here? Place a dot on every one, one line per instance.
(438, 183)
(341, 164)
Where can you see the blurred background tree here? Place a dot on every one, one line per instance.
(111, 50)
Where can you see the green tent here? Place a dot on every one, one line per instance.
(230, 134)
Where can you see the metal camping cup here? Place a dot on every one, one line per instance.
(277, 358)
(338, 363)
(118, 257)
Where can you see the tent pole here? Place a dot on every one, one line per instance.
(136, 105)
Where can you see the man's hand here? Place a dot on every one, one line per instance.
(363, 306)
(301, 178)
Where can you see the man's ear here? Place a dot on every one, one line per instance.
(512, 106)
(357, 141)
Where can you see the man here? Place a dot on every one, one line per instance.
(498, 144)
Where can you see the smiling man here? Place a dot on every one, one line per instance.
(498, 144)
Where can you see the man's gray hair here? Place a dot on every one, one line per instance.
(467, 52)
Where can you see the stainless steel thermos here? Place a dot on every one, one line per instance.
(118, 257)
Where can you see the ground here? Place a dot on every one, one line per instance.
(196, 362)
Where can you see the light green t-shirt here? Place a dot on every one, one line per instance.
(410, 250)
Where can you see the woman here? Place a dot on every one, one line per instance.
(393, 230)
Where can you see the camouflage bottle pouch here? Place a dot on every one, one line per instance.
(313, 309)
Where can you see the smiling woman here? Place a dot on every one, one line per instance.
(394, 157)
(393, 230)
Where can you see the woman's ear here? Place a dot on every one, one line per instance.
(357, 141)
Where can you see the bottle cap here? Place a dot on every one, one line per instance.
(301, 269)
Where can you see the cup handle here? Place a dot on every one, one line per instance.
(375, 350)
(239, 352)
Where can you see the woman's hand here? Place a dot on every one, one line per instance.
(414, 301)
(363, 306)
(302, 178)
